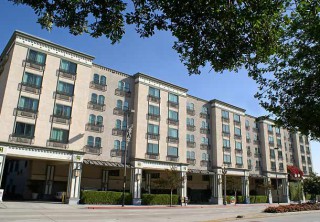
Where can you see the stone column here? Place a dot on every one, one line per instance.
(285, 191)
(245, 189)
(216, 189)
(49, 180)
(148, 182)
(267, 183)
(303, 199)
(74, 180)
(2, 162)
(105, 180)
(136, 183)
(183, 187)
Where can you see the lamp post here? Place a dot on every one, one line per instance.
(224, 172)
(128, 139)
(277, 148)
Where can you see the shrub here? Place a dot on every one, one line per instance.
(240, 199)
(293, 208)
(308, 196)
(252, 199)
(261, 199)
(159, 199)
(103, 197)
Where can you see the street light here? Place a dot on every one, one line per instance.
(128, 139)
(224, 172)
(277, 148)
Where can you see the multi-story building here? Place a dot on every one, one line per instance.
(66, 124)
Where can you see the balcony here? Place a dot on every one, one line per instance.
(250, 167)
(30, 88)
(153, 156)
(257, 168)
(61, 119)
(204, 146)
(272, 157)
(66, 74)
(204, 130)
(98, 86)
(21, 138)
(173, 104)
(191, 128)
(118, 111)
(152, 136)
(154, 99)
(57, 144)
(96, 106)
(280, 158)
(118, 132)
(247, 127)
(34, 64)
(190, 112)
(248, 140)
(225, 119)
(172, 139)
(92, 150)
(191, 161)
(204, 115)
(191, 144)
(249, 153)
(281, 170)
(227, 149)
(255, 129)
(153, 117)
(64, 96)
(273, 169)
(237, 137)
(173, 122)
(25, 112)
(238, 151)
(117, 153)
(278, 134)
(271, 143)
(256, 155)
(256, 142)
(120, 92)
(226, 134)
(173, 158)
(236, 123)
(92, 127)
(204, 163)
(239, 165)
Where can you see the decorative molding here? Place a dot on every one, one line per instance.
(227, 108)
(145, 164)
(111, 70)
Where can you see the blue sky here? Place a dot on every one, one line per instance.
(153, 56)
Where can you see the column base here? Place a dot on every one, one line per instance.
(136, 201)
(73, 201)
(247, 200)
(216, 200)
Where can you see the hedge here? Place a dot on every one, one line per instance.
(261, 199)
(293, 208)
(253, 199)
(159, 199)
(103, 197)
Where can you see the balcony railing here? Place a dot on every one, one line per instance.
(249, 153)
(153, 117)
(273, 169)
(204, 115)
(256, 141)
(59, 144)
(190, 112)
(118, 132)
(63, 96)
(237, 137)
(118, 111)
(191, 161)
(174, 122)
(204, 163)
(227, 148)
(278, 134)
(271, 143)
(117, 153)
(204, 130)
(98, 128)
(66, 120)
(191, 127)
(92, 150)
(248, 140)
(154, 99)
(236, 123)
(153, 156)
(120, 92)
(239, 165)
(20, 138)
(257, 155)
(173, 158)
(152, 136)
(172, 139)
(238, 151)
(191, 144)
(173, 104)
(247, 127)
(225, 119)
(96, 106)
(249, 167)
(66, 74)
(34, 64)
(255, 129)
(27, 87)
(98, 86)
(226, 134)
(204, 146)
(25, 112)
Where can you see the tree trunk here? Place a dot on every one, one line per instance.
(171, 198)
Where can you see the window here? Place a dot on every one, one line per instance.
(90, 141)
(114, 173)
(26, 103)
(190, 106)
(154, 110)
(118, 124)
(271, 139)
(277, 130)
(255, 137)
(173, 133)
(99, 120)
(280, 154)
(225, 128)
(249, 162)
(226, 158)
(247, 123)
(124, 86)
(59, 135)
(32, 80)
(204, 110)
(92, 119)
(278, 141)
(94, 98)
(204, 125)
(248, 135)
(237, 131)
(154, 92)
(239, 160)
(173, 98)
(101, 100)
(190, 121)
(205, 140)
(62, 110)
(125, 106)
(123, 145)
(273, 165)
(172, 151)
(270, 128)
(190, 138)
(153, 129)
(205, 157)
(272, 154)
(152, 148)
(225, 114)
(205, 178)
(256, 150)
(119, 104)
(24, 129)
(257, 163)
(124, 124)
(238, 145)
(236, 118)
(96, 78)
(173, 115)
(190, 155)
(103, 80)
(36, 57)
(116, 145)
(97, 142)
(65, 88)
(69, 67)
(226, 143)
(189, 177)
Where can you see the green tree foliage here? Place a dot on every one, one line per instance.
(311, 185)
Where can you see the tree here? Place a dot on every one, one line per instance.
(170, 179)
(311, 185)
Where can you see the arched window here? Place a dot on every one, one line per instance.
(190, 106)
(120, 85)
(204, 125)
(116, 144)
(103, 80)
(99, 120)
(204, 110)
(124, 124)
(94, 98)
(188, 155)
(90, 141)
(97, 142)
(118, 124)
(123, 145)
(101, 99)
(92, 119)
(126, 87)
(96, 78)
(119, 104)
(205, 156)
(192, 155)
(125, 106)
